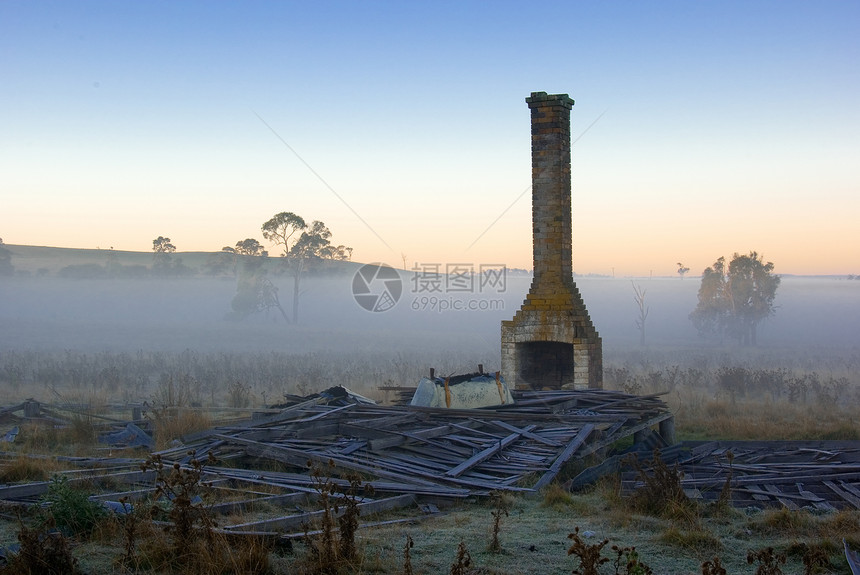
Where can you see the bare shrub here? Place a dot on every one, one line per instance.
(187, 511)
(462, 562)
(407, 559)
(171, 423)
(44, 551)
(238, 395)
(661, 493)
(27, 468)
(334, 546)
(768, 561)
(627, 562)
(713, 567)
(696, 539)
(590, 558)
(501, 506)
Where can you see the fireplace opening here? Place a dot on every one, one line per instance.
(545, 363)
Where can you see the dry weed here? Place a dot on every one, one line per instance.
(501, 506)
(590, 558)
(815, 556)
(28, 468)
(768, 561)
(661, 493)
(44, 551)
(462, 562)
(701, 541)
(714, 567)
(175, 422)
(845, 523)
(627, 562)
(782, 521)
(407, 558)
(334, 547)
(557, 498)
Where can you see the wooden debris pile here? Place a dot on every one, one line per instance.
(819, 475)
(434, 451)
(407, 454)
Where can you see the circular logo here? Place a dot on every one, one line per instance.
(376, 287)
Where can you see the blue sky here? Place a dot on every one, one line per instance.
(714, 127)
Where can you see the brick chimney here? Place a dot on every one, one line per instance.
(551, 341)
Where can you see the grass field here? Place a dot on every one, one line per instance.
(105, 343)
(533, 535)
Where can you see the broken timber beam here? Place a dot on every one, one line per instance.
(486, 453)
(565, 455)
(288, 522)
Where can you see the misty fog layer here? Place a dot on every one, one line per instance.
(174, 315)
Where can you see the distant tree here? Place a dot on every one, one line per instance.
(302, 246)
(256, 293)
(162, 245)
(712, 310)
(163, 262)
(733, 300)
(639, 298)
(83, 271)
(284, 229)
(337, 253)
(6, 267)
(250, 247)
(248, 251)
(682, 269)
(313, 245)
(220, 263)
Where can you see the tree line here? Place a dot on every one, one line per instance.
(302, 247)
(734, 297)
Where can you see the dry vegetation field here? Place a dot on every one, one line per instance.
(95, 348)
(715, 394)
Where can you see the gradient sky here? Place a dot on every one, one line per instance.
(715, 127)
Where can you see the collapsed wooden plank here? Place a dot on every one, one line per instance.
(817, 502)
(12, 492)
(397, 438)
(300, 459)
(290, 522)
(622, 432)
(783, 498)
(802, 476)
(565, 455)
(794, 476)
(485, 454)
(845, 495)
(525, 433)
(229, 507)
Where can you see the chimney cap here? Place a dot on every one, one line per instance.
(539, 99)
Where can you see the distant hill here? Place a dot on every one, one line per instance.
(74, 262)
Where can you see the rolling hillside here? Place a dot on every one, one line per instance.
(49, 261)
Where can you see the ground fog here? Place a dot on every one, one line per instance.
(70, 318)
